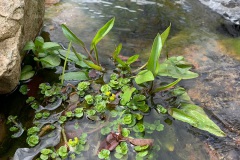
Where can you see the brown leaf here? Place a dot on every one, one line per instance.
(110, 143)
(140, 142)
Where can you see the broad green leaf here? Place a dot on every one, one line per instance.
(132, 59)
(102, 32)
(165, 34)
(39, 41)
(162, 88)
(117, 51)
(71, 36)
(195, 116)
(144, 76)
(27, 73)
(50, 61)
(126, 96)
(176, 67)
(29, 46)
(80, 76)
(155, 54)
(50, 45)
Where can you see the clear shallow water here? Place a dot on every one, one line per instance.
(197, 32)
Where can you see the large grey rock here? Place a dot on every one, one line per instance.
(20, 21)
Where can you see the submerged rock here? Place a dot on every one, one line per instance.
(20, 21)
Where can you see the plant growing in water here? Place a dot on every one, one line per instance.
(115, 100)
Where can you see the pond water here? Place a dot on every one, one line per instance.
(205, 38)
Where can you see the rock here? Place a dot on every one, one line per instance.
(20, 21)
(49, 2)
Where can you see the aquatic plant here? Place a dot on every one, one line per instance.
(116, 100)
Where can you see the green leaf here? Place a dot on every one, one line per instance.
(117, 51)
(50, 61)
(92, 65)
(39, 41)
(71, 36)
(29, 46)
(144, 76)
(162, 88)
(155, 54)
(102, 32)
(165, 34)
(23, 89)
(27, 72)
(132, 59)
(176, 67)
(50, 45)
(73, 57)
(195, 116)
(80, 76)
(126, 96)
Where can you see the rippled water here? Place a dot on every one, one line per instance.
(198, 33)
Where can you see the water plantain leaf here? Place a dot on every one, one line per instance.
(144, 76)
(117, 51)
(80, 76)
(71, 36)
(132, 59)
(27, 72)
(50, 46)
(155, 54)
(165, 34)
(50, 61)
(176, 67)
(102, 32)
(195, 116)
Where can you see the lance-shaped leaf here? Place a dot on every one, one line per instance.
(144, 76)
(50, 46)
(117, 51)
(155, 54)
(195, 116)
(80, 76)
(132, 59)
(102, 32)
(71, 36)
(165, 34)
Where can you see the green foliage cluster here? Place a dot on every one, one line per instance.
(125, 96)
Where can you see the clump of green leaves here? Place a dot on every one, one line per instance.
(121, 97)
(44, 52)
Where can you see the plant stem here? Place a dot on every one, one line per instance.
(64, 135)
(138, 69)
(65, 62)
(89, 55)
